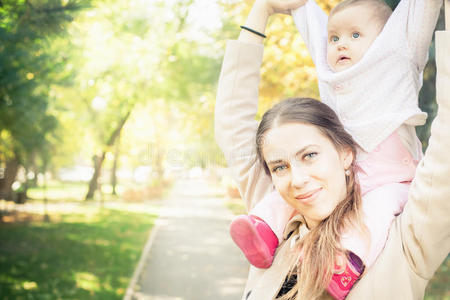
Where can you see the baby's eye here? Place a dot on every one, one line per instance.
(355, 35)
(334, 39)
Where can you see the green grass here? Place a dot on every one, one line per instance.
(236, 206)
(75, 256)
(59, 191)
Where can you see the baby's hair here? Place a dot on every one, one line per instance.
(381, 10)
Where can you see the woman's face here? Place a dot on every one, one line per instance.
(306, 168)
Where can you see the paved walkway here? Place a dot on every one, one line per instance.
(191, 256)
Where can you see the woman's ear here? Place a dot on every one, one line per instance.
(347, 157)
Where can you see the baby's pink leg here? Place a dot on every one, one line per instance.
(259, 233)
(255, 238)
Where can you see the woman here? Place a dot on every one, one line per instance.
(419, 239)
(314, 174)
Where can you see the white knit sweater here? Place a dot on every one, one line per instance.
(374, 97)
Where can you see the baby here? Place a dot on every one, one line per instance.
(369, 63)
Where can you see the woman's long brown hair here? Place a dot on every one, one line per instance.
(319, 249)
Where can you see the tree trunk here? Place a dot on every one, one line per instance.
(33, 166)
(114, 169)
(99, 160)
(159, 164)
(12, 167)
(93, 184)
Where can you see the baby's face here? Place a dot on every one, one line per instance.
(351, 31)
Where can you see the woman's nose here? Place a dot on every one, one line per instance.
(299, 177)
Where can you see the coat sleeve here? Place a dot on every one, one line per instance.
(425, 222)
(235, 125)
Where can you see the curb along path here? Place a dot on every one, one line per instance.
(190, 255)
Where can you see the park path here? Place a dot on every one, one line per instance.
(191, 256)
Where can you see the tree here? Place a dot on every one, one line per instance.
(27, 29)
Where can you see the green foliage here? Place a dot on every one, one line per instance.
(29, 65)
(66, 83)
(438, 287)
(187, 74)
(82, 256)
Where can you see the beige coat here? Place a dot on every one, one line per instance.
(419, 239)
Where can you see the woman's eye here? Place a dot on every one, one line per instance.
(279, 169)
(309, 155)
(334, 39)
(355, 35)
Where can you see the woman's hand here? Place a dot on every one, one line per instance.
(282, 6)
(261, 10)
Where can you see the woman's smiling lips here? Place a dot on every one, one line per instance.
(309, 196)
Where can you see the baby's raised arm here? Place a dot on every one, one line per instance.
(311, 22)
(421, 21)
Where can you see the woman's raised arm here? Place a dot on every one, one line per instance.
(237, 101)
(425, 222)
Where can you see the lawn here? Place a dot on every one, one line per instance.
(82, 255)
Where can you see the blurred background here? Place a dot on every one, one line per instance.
(104, 107)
